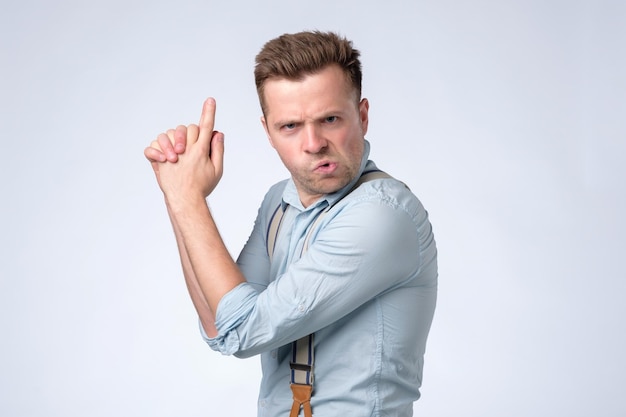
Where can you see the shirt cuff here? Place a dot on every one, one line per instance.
(233, 309)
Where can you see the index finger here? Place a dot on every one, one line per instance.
(207, 121)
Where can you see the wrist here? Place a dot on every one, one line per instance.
(181, 204)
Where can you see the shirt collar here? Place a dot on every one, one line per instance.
(291, 197)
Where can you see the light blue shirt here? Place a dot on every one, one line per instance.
(366, 286)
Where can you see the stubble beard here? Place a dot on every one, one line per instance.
(314, 184)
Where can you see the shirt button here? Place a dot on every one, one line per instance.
(301, 308)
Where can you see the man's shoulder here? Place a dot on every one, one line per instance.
(386, 188)
(274, 196)
(278, 188)
(389, 196)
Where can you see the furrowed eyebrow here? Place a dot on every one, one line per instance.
(337, 113)
(331, 113)
(282, 123)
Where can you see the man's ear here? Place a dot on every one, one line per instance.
(364, 107)
(267, 132)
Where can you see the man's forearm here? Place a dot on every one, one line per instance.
(211, 271)
(186, 176)
(200, 303)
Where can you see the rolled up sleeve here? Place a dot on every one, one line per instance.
(232, 310)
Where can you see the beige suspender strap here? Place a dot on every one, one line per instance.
(272, 230)
(303, 356)
(302, 360)
(301, 365)
(368, 176)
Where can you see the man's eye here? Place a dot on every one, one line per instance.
(331, 119)
(289, 126)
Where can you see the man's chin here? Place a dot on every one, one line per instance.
(331, 186)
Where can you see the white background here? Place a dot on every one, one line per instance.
(507, 119)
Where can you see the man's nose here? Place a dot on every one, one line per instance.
(314, 140)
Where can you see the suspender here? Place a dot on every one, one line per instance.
(302, 356)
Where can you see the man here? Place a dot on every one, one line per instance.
(352, 263)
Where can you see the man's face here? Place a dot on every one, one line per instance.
(318, 130)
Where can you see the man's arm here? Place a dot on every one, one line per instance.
(215, 271)
(207, 318)
(210, 271)
(368, 247)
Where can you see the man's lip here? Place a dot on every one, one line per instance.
(325, 164)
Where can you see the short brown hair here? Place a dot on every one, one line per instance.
(292, 56)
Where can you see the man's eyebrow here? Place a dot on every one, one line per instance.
(280, 123)
(321, 116)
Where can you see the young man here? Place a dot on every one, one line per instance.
(352, 260)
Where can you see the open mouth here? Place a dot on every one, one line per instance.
(326, 167)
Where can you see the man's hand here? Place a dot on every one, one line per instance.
(168, 150)
(188, 161)
(186, 178)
